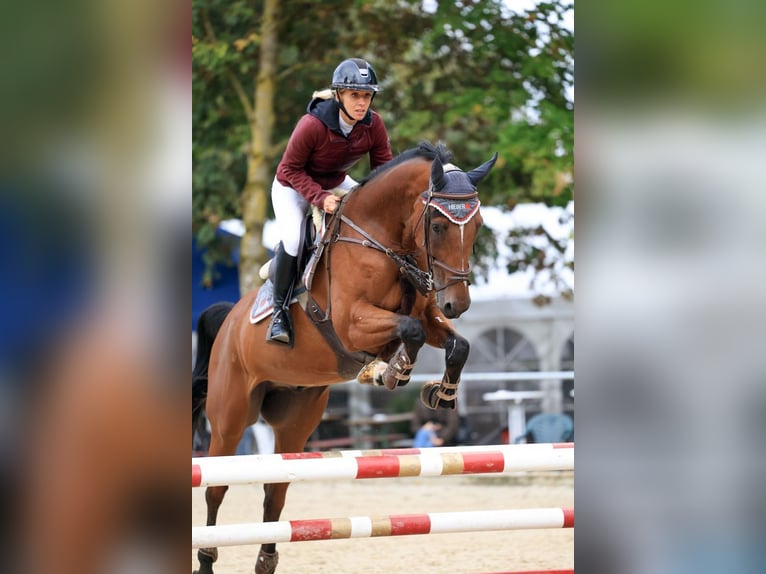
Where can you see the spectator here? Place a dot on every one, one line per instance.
(427, 436)
(447, 419)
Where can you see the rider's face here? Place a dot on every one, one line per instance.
(356, 103)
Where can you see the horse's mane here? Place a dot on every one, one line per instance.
(425, 150)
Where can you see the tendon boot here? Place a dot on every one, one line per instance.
(280, 329)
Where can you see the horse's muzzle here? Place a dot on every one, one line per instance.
(452, 306)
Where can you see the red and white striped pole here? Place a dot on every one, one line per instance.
(391, 463)
(370, 526)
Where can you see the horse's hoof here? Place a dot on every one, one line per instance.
(429, 397)
(206, 557)
(266, 562)
(372, 373)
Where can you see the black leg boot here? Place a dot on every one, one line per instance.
(280, 329)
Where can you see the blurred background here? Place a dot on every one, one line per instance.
(671, 229)
(95, 193)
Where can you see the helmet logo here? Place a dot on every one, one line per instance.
(363, 73)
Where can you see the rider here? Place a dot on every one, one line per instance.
(327, 141)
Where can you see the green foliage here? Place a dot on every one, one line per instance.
(475, 75)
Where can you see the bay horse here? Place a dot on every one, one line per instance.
(393, 269)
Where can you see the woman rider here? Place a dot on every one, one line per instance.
(327, 141)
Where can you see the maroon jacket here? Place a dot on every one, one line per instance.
(318, 155)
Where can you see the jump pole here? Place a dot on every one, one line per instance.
(371, 526)
(390, 463)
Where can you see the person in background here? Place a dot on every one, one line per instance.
(427, 436)
(447, 420)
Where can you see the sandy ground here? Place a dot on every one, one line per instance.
(465, 553)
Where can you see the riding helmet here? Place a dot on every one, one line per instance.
(355, 74)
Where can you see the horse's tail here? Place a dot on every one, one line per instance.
(208, 325)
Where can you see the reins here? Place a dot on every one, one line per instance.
(422, 280)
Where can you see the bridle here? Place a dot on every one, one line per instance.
(422, 280)
(457, 275)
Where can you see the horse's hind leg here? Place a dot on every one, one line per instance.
(293, 414)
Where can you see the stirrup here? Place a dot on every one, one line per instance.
(283, 336)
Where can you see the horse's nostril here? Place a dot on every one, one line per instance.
(450, 311)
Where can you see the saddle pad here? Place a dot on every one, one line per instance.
(264, 305)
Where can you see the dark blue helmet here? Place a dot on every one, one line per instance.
(355, 74)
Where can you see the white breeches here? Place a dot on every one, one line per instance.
(290, 209)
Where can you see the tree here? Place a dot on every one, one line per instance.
(255, 193)
(475, 75)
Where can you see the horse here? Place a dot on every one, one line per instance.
(390, 272)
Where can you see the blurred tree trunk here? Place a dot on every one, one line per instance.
(255, 194)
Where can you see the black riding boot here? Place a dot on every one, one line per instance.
(280, 329)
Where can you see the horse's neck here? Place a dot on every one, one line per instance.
(384, 209)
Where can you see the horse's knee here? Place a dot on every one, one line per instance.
(457, 351)
(411, 331)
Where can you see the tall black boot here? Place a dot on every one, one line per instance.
(280, 329)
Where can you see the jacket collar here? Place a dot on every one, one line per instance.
(327, 112)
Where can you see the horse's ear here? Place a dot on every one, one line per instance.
(476, 175)
(437, 174)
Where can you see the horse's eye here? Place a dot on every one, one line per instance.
(436, 228)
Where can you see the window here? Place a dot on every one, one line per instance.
(502, 349)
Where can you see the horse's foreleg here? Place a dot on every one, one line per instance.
(372, 327)
(293, 415)
(399, 367)
(444, 393)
